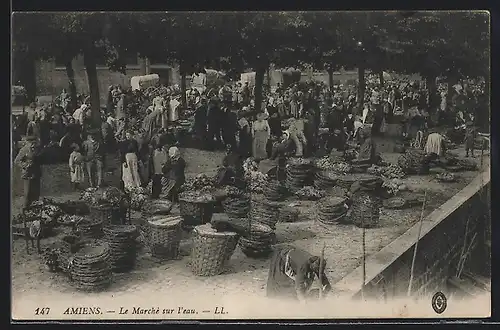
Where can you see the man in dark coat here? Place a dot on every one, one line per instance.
(214, 123)
(230, 126)
(29, 160)
(200, 121)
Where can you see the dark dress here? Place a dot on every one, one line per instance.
(200, 124)
(279, 284)
(229, 128)
(174, 171)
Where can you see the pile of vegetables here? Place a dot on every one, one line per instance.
(390, 172)
(111, 196)
(201, 181)
(309, 193)
(257, 181)
(138, 197)
(40, 210)
(249, 165)
(393, 186)
(446, 177)
(197, 196)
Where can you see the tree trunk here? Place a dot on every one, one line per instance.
(24, 73)
(259, 80)
(90, 67)
(381, 78)
(430, 82)
(330, 78)
(269, 78)
(361, 88)
(183, 87)
(72, 86)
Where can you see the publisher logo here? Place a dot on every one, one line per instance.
(439, 302)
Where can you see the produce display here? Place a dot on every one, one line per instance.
(309, 193)
(257, 181)
(446, 177)
(414, 161)
(110, 196)
(390, 172)
(327, 164)
(250, 165)
(201, 181)
(138, 197)
(393, 186)
(196, 196)
(157, 207)
(325, 180)
(365, 209)
(43, 210)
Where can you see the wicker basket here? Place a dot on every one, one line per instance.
(194, 212)
(164, 236)
(365, 211)
(110, 215)
(89, 228)
(89, 266)
(210, 250)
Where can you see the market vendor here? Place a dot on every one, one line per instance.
(292, 272)
(231, 171)
(368, 151)
(435, 144)
(282, 149)
(29, 160)
(174, 171)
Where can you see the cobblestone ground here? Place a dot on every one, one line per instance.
(244, 277)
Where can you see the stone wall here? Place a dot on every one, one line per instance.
(438, 252)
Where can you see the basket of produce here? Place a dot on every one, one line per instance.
(157, 207)
(89, 266)
(164, 236)
(325, 180)
(138, 198)
(265, 212)
(122, 244)
(71, 243)
(256, 181)
(73, 207)
(275, 191)
(446, 177)
(365, 209)
(33, 222)
(393, 186)
(237, 206)
(332, 210)
(89, 228)
(414, 161)
(210, 250)
(396, 203)
(201, 181)
(51, 257)
(391, 171)
(219, 218)
(196, 208)
(288, 214)
(359, 168)
(309, 193)
(258, 242)
(298, 173)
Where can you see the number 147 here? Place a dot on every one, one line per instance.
(42, 311)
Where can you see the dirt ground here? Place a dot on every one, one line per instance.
(244, 275)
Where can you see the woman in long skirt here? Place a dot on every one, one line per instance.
(76, 167)
(130, 163)
(261, 133)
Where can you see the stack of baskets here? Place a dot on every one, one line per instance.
(109, 214)
(164, 236)
(324, 180)
(151, 209)
(211, 250)
(196, 208)
(257, 243)
(90, 269)
(237, 206)
(366, 203)
(275, 191)
(298, 174)
(122, 243)
(347, 180)
(359, 168)
(413, 161)
(89, 228)
(288, 214)
(332, 210)
(265, 212)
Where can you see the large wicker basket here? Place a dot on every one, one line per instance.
(210, 250)
(365, 209)
(109, 214)
(195, 212)
(164, 236)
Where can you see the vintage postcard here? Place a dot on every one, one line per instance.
(250, 165)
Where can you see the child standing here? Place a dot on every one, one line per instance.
(76, 166)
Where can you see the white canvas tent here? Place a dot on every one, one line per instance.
(143, 82)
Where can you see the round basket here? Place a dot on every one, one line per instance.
(265, 212)
(109, 214)
(164, 236)
(332, 210)
(274, 191)
(238, 206)
(346, 181)
(89, 228)
(89, 266)
(365, 210)
(195, 211)
(210, 250)
(121, 240)
(158, 207)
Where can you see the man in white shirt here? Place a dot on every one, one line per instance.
(79, 114)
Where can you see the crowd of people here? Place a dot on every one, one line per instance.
(302, 119)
